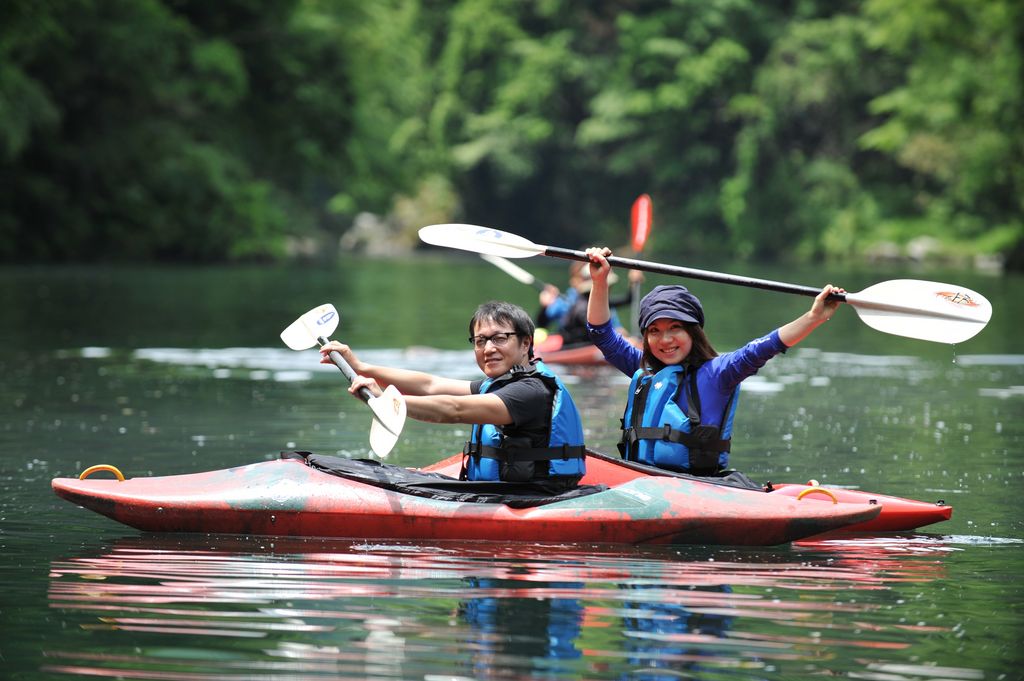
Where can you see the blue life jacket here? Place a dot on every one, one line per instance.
(662, 425)
(500, 453)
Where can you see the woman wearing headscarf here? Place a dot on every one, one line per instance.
(683, 394)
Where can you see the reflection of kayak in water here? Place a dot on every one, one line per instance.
(332, 497)
(552, 350)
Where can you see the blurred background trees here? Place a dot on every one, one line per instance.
(258, 129)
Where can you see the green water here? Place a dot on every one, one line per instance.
(163, 371)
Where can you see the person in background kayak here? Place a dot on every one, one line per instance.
(683, 395)
(568, 311)
(525, 424)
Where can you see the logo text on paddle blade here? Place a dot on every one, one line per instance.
(957, 298)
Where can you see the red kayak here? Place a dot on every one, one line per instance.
(553, 351)
(298, 497)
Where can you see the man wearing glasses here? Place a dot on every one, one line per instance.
(526, 427)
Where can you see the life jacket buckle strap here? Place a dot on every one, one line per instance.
(629, 436)
(469, 450)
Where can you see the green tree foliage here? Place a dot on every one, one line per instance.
(955, 119)
(660, 119)
(798, 174)
(180, 129)
(173, 130)
(903, 120)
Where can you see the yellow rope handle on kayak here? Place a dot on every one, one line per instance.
(101, 467)
(815, 488)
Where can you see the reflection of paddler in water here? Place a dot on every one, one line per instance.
(568, 311)
(676, 624)
(664, 637)
(519, 626)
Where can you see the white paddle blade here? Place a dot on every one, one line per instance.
(302, 334)
(510, 268)
(390, 409)
(382, 440)
(389, 412)
(482, 240)
(296, 337)
(321, 321)
(925, 310)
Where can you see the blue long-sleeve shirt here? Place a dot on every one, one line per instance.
(716, 378)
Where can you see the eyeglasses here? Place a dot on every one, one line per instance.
(499, 340)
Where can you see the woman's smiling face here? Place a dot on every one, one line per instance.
(669, 341)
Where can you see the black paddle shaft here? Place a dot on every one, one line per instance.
(346, 369)
(690, 273)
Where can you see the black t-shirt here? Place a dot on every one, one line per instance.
(529, 403)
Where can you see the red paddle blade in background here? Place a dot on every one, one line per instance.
(642, 215)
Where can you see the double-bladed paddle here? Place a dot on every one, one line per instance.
(926, 310)
(313, 328)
